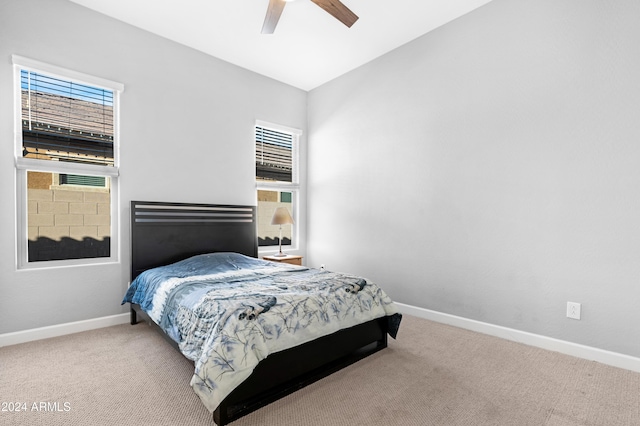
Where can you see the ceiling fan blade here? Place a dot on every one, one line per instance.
(273, 16)
(338, 10)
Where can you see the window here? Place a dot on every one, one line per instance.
(96, 181)
(66, 166)
(277, 182)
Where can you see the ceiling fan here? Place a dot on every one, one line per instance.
(334, 7)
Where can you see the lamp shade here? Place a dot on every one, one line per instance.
(281, 216)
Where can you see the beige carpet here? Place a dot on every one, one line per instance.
(432, 375)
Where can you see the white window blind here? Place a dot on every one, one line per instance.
(274, 155)
(65, 120)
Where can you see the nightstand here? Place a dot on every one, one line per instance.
(291, 259)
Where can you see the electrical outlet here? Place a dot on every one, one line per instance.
(573, 310)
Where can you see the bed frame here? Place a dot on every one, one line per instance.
(163, 233)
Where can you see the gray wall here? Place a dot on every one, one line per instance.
(166, 153)
(491, 170)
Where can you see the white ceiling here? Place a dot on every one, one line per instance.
(309, 46)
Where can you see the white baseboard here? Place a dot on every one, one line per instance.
(61, 329)
(581, 351)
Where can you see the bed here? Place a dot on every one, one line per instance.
(185, 254)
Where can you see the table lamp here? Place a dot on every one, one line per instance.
(281, 217)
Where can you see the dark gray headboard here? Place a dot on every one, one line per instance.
(163, 233)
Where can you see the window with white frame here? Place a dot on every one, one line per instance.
(277, 182)
(66, 166)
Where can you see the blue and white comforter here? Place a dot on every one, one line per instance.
(227, 312)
